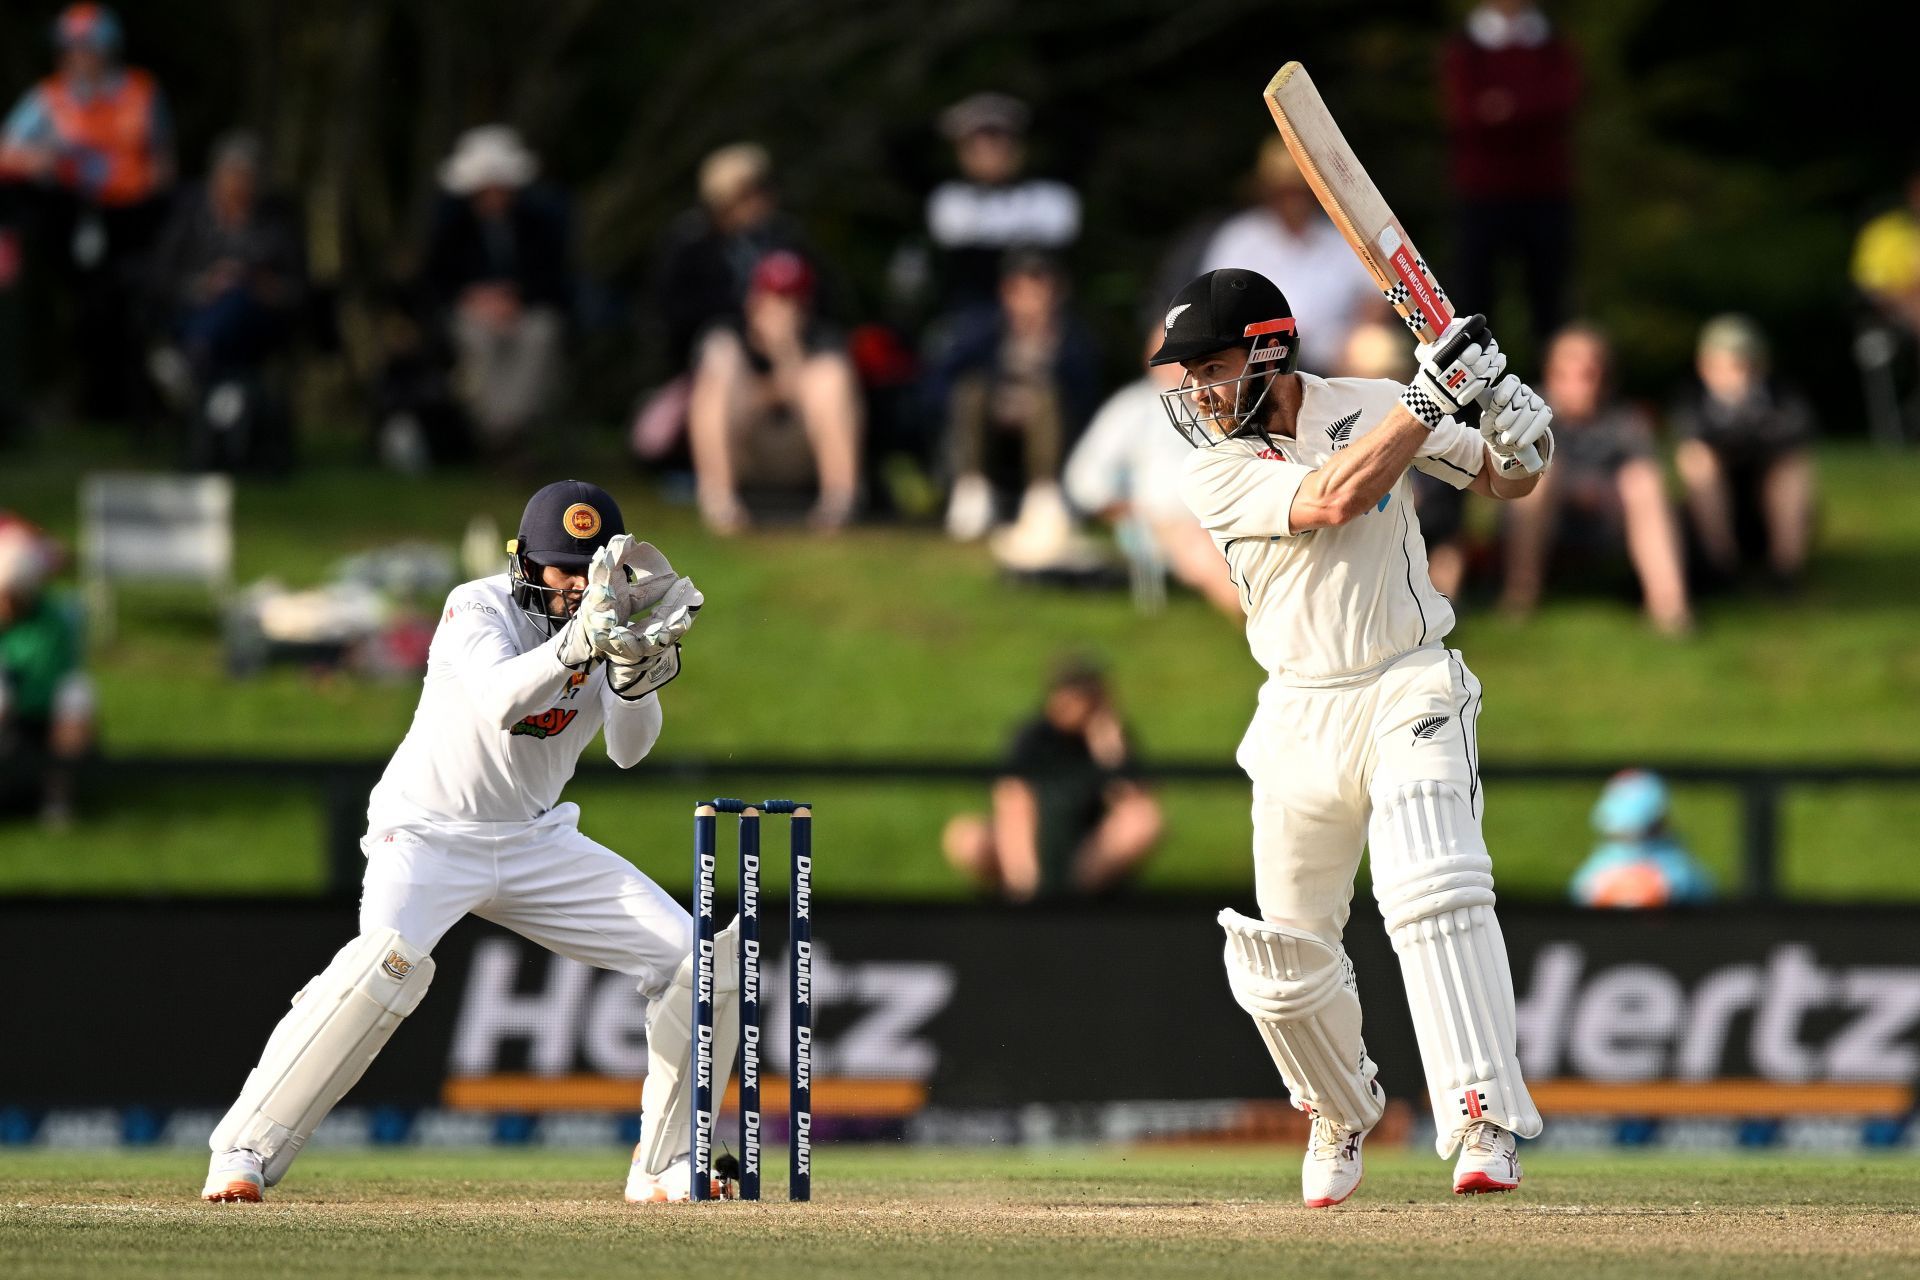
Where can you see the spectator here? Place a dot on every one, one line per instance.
(1126, 470)
(92, 147)
(231, 274)
(1020, 379)
(1066, 818)
(1638, 863)
(706, 262)
(1605, 489)
(771, 392)
(1745, 456)
(46, 700)
(975, 220)
(1288, 236)
(498, 267)
(1886, 270)
(1511, 86)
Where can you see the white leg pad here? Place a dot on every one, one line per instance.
(1303, 998)
(666, 1096)
(1434, 881)
(337, 1025)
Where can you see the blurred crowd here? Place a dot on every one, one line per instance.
(973, 396)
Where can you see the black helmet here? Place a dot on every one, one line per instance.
(563, 525)
(1220, 311)
(1231, 308)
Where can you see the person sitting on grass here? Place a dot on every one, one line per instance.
(1745, 457)
(1605, 495)
(774, 398)
(1066, 817)
(46, 699)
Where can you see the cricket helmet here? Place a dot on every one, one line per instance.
(563, 525)
(1220, 311)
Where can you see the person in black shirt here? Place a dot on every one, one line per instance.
(1066, 820)
(1745, 455)
(498, 265)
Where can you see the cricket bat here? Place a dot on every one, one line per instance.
(1356, 205)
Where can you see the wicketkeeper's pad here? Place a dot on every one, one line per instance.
(322, 1047)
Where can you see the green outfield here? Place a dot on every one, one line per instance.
(893, 642)
(1099, 1213)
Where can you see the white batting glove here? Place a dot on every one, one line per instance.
(637, 572)
(1455, 369)
(1517, 425)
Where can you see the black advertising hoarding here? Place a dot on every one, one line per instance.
(955, 1009)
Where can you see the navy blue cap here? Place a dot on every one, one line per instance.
(566, 522)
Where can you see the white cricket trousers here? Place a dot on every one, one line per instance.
(542, 879)
(1319, 758)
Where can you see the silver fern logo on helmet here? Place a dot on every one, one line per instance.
(1175, 315)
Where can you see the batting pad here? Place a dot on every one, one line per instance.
(1303, 997)
(666, 1095)
(1434, 881)
(338, 1023)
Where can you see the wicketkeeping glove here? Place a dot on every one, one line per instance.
(636, 572)
(1455, 369)
(644, 655)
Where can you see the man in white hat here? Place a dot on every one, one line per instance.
(498, 263)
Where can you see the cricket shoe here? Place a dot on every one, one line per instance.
(1332, 1170)
(1489, 1160)
(670, 1185)
(235, 1177)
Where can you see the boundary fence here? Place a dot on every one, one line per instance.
(342, 786)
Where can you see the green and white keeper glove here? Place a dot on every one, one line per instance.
(644, 655)
(586, 634)
(637, 574)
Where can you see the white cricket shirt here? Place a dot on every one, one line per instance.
(1326, 606)
(501, 723)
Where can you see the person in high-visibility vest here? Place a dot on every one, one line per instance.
(88, 152)
(96, 127)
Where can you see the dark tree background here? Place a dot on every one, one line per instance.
(1729, 151)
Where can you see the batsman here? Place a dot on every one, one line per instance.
(577, 637)
(1365, 730)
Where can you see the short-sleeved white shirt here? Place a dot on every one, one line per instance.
(1328, 605)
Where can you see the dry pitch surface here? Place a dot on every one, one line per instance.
(1105, 1213)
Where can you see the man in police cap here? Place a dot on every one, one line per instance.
(1364, 735)
(577, 637)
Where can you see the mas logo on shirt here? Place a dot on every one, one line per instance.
(548, 724)
(574, 682)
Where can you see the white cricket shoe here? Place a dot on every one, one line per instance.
(235, 1177)
(970, 508)
(1332, 1170)
(1489, 1160)
(670, 1185)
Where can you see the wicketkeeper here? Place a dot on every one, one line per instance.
(577, 637)
(1364, 735)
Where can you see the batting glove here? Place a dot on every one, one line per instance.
(1455, 369)
(1517, 425)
